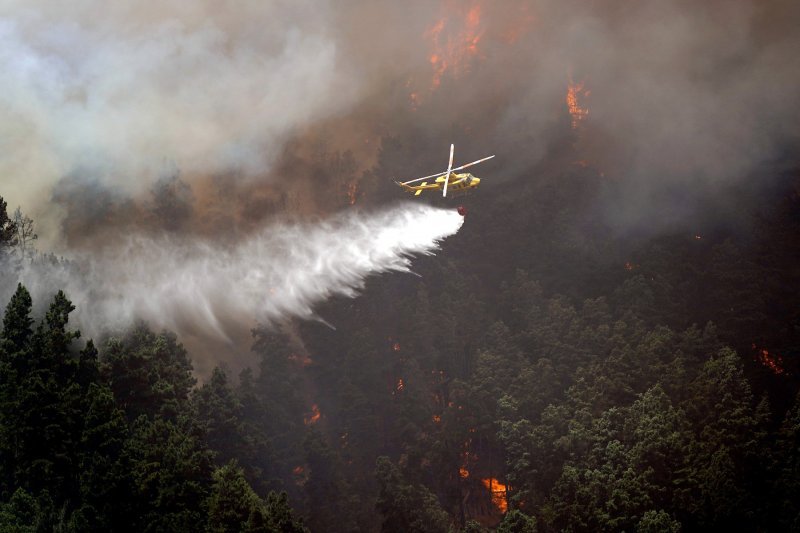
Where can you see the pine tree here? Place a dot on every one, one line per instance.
(8, 230)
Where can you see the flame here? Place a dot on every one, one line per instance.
(454, 41)
(414, 99)
(498, 491)
(302, 359)
(396, 347)
(630, 266)
(467, 459)
(314, 417)
(575, 93)
(400, 385)
(457, 40)
(773, 362)
(352, 192)
(436, 419)
(698, 237)
(300, 476)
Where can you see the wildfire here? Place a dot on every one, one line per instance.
(396, 347)
(313, 417)
(576, 92)
(630, 266)
(414, 99)
(436, 419)
(498, 492)
(400, 385)
(774, 362)
(457, 40)
(352, 192)
(302, 359)
(698, 237)
(467, 459)
(454, 40)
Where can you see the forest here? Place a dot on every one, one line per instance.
(543, 372)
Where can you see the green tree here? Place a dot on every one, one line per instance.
(8, 230)
(232, 501)
(171, 476)
(407, 507)
(104, 481)
(219, 414)
(657, 522)
(149, 373)
(17, 322)
(45, 426)
(21, 514)
(517, 522)
(329, 499)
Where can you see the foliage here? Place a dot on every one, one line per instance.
(572, 381)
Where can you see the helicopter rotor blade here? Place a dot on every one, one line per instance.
(451, 170)
(473, 163)
(447, 174)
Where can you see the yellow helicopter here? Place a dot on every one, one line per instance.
(456, 182)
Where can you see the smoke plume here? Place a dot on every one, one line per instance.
(680, 100)
(205, 119)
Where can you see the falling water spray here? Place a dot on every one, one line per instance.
(279, 272)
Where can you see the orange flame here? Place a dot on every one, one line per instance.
(314, 417)
(400, 385)
(467, 460)
(773, 362)
(498, 492)
(630, 266)
(352, 192)
(454, 44)
(301, 359)
(575, 93)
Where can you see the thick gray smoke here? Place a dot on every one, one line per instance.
(679, 101)
(199, 288)
(680, 96)
(126, 90)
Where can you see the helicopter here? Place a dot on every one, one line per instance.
(456, 182)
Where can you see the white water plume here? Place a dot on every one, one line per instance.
(280, 272)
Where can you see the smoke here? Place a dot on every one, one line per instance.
(680, 97)
(126, 92)
(204, 119)
(198, 288)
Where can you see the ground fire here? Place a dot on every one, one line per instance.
(499, 493)
(576, 94)
(454, 41)
(773, 362)
(352, 192)
(313, 417)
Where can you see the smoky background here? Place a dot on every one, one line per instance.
(207, 123)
